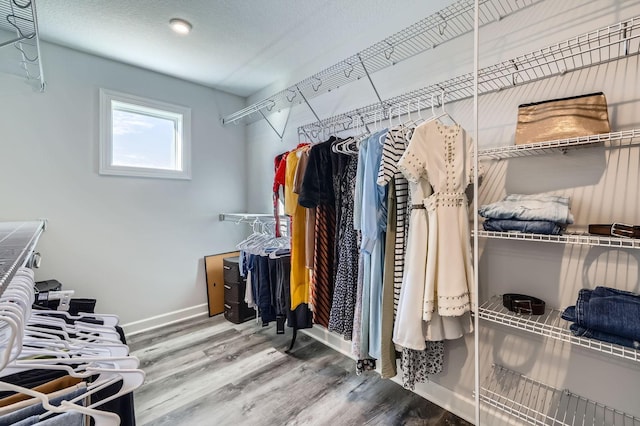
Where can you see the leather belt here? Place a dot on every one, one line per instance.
(418, 206)
(616, 229)
(523, 304)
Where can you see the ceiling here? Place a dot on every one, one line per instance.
(239, 46)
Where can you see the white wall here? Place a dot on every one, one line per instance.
(601, 182)
(135, 244)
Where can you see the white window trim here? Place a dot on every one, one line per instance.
(106, 127)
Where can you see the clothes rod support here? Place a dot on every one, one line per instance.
(280, 135)
(309, 105)
(384, 110)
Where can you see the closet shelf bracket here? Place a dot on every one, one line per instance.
(309, 105)
(280, 134)
(364, 67)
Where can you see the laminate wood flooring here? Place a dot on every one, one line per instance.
(210, 372)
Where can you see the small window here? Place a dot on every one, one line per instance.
(143, 137)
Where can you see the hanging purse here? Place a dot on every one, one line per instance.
(562, 118)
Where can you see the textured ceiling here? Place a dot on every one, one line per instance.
(239, 46)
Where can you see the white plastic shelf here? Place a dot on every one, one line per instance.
(550, 325)
(539, 404)
(568, 238)
(17, 239)
(614, 140)
(434, 30)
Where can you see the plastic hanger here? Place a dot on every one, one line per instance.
(101, 418)
(444, 113)
(108, 319)
(131, 380)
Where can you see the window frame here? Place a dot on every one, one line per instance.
(143, 106)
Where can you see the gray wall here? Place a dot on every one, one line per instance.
(135, 244)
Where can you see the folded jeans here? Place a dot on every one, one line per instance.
(607, 310)
(527, 226)
(603, 337)
(528, 208)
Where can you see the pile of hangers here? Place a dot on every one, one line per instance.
(86, 347)
(264, 240)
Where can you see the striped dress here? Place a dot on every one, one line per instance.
(394, 146)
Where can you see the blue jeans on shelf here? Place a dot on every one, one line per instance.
(528, 226)
(606, 310)
(603, 337)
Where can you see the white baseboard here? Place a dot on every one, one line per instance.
(453, 402)
(162, 320)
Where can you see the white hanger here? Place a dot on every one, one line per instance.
(108, 319)
(444, 113)
(101, 418)
(131, 380)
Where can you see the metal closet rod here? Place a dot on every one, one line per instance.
(596, 47)
(247, 217)
(428, 33)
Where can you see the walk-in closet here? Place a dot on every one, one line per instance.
(320, 212)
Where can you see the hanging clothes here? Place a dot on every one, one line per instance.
(299, 282)
(388, 351)
(374, 224)
(280, 166)
(346, 282)
(360, 340)
(317, 191)
(416, 365)
(310, 218)
(438, 262)
(393, 149)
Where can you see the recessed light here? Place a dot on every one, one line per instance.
(180, 26)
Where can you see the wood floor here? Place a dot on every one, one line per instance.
(212, 372)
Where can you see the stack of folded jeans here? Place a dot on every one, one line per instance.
(606, 314)
(537, 213)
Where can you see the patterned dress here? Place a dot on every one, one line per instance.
(344, 293)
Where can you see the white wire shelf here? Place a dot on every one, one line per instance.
(603, 45)
(614, 140)
(248, 217)
(19, 19)
(444, 25)
(550, 325)
(17, 240)
(539, 404)
(578, 239)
